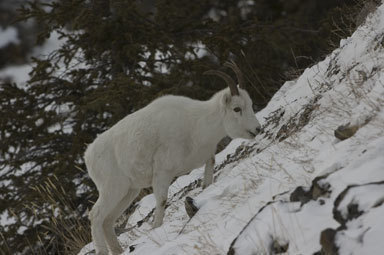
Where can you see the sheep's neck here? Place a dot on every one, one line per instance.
(211, 126)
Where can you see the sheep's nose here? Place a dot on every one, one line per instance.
(258, 129)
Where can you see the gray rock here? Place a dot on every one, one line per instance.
(327, 241)
(279, 247)
(190, 207)
(345, 131)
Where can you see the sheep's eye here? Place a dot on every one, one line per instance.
(237, 109)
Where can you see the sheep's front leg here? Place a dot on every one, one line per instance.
(208, 172)
(160, 189)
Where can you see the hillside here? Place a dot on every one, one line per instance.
(312, 182)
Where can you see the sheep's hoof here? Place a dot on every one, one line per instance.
(190, 207)
(156, 224)
(205, 185)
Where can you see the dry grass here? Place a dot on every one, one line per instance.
(66, 232)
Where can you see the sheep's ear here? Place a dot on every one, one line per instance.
(226, 100)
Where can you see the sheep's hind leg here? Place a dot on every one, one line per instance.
(97, 229)
(109, 197)
(110, 235)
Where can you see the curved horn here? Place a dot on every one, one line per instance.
(231, 83)
(231, 64)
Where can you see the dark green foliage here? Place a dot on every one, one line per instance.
(109, 67)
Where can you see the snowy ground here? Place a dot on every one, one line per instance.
(250, 208)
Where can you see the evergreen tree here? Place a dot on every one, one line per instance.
(117, 57)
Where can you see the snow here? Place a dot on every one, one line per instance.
(20, 73)
(364, 235)
(248, 206)
(365, 197)
(51, 44)
(6, 220)
(287, 223)
(7, 36)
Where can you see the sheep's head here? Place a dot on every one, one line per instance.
(239, 118)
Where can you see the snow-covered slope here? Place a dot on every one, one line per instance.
(297, 188)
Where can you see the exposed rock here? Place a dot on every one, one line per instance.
(300, 195)
(190, 207)
(318, 190)
(345, 131)
(327, 241)
(353, 211)
(132, 248)
(223, 143)
(352, 208)
(231, 250)
(279, 246)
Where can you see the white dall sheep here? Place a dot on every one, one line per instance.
(169, 137)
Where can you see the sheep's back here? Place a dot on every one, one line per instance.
(159, 134)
